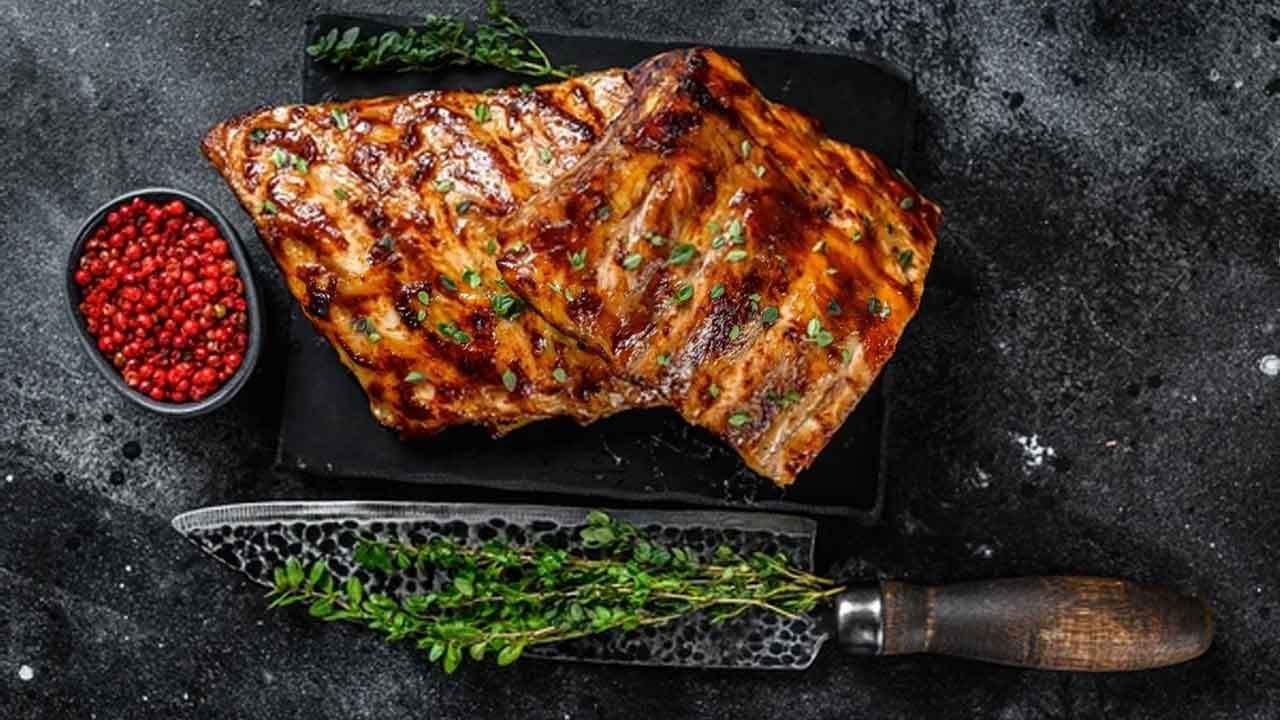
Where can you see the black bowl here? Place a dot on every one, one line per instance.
(233, 384)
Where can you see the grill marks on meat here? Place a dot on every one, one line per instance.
(366, 204)
(721, 250)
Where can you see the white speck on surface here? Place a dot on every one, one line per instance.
(8, 478)
(26, 673)
(185, 696)
(128, 568)
(1033, 453)
(1214, 75)
(981, 479)
(1269, 365)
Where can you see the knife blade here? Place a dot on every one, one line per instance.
(1053, 623)
(253, 538)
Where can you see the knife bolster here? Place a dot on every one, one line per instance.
(860, 621)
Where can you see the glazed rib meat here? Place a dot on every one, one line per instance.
(722, 251)
(380, 214)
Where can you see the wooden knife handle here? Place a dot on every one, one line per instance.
(1050, 623)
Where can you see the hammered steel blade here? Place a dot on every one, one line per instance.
(254, 537)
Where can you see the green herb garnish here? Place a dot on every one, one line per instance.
(907, 203)
(878, 308)
(545, 155)
(506, 305)
(444, 186)
(453, 332)
(560, 375)
(340, 193)
(496, 599)
(632, 261)
(681, 254)
(502, 41)
(366, 327)
(257, 135)
(682, 295)
(269, 207)
(769, 316)
(815, 333)
(663, 359)
(340, 118)
(509, 380)
(735, 232)
(414, 377)
(578, 259)
(739, 419)
(905, 259)
(717, 291)
(481, 111)
(736, 255)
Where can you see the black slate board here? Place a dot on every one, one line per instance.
(644, 456)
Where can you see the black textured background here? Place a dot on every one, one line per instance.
(1084, 391)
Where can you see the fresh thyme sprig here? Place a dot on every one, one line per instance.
(499, 598)
(503, 41)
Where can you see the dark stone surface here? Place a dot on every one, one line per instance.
(1082, 392)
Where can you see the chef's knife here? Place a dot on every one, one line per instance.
(1052, 623)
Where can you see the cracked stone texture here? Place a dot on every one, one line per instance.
(1083, 390)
